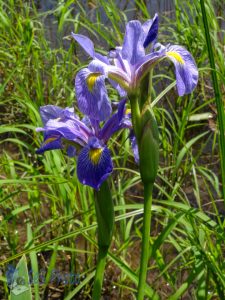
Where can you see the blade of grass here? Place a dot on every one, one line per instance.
(218, 98)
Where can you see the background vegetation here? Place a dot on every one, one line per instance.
(48, 215)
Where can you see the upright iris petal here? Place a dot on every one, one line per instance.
(133, 49)
(151, 30)
(94, 164)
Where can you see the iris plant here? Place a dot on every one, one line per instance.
(127, 68)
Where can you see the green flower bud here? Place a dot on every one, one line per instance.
(148, 147)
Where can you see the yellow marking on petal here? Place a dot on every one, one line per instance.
(95, 155)
(91, 79)
(175, 55)
(49, 140)
(127, 111)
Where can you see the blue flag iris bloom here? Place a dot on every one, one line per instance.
(126, 66)
(82, 138)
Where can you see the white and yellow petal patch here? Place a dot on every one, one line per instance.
(91, 80)
(176, 56)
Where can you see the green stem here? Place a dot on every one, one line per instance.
(218, 98)
(105, 218)
(145, 240)
(99, 274)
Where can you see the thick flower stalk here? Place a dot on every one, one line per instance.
(127, 67)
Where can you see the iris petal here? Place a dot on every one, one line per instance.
(185, 69)
(50, 112)
(52, 141)
(94, 165)
(85, 43)
(133, 49)
(93, 99)
(151, 30)
(116, 122)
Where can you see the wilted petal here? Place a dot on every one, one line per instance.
(151, 30)
(94, 164)
(185, 68)
(92, 95)
(133, 49)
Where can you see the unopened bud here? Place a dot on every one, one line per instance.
(149, 147)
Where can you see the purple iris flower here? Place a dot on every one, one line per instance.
(82, 138)
(126, 66)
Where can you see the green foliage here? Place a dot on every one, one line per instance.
(48, 215)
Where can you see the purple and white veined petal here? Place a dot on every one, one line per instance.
(92, 95)
(52, 112)
(69, 129)
(133, 49)
(48, 112)
(150, 28)
(94, 164)
(185, 69)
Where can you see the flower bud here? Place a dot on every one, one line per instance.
(148, 147)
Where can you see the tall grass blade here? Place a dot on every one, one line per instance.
(218, 98)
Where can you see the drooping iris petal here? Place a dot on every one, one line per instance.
(151, 30)
(185, 69)
(94, 164)
(91, 95)
(133, 49)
